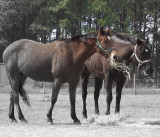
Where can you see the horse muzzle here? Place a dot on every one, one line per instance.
(147, 71)
(114, 56)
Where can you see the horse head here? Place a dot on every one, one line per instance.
(105, 44)
(142, 57)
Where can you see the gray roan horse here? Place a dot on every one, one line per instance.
(128, 49)
(59, 62)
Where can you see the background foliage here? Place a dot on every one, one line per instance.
(37, 19)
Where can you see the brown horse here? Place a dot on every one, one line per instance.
(59, 62)
(128, 49)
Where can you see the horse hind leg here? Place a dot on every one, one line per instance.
(11, 108)
(13, 93)
(24, 97)
(16, 85)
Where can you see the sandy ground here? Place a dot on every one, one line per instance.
(139, 117)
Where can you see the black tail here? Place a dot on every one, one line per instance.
(24, 97)
(21, 91)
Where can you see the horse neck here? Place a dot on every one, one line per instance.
(125, 51)
(81, 51)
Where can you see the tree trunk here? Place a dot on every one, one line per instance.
(141, 18)
(144, 27)
(23, 30)
(135, 17)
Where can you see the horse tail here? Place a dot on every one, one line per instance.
(14, 81)
(21, 91)
(24, 97)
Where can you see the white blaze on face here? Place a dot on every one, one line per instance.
(113, 53)
(146, 50)
(109, 37)
(112, 60)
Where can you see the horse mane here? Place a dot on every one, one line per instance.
(81, 37)
(126, 38)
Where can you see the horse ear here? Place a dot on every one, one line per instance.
(107, 29)
(138, 41)
(108, 32)
(101, 31)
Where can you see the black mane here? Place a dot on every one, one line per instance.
(83, 38)
(126, 37)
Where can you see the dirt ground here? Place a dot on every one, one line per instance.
(139, 117)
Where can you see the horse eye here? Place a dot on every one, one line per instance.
(146, 50)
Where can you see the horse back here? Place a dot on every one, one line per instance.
(38, 61)
(30, 58)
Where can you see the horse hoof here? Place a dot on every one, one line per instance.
(49, 123)
(107, 113)
(117, 112)
(84, 117)
(97, 113)
(77, 122)
(14, 121)
(24, 121)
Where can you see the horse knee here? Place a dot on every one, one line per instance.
(109, 98)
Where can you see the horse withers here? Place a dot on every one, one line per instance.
(128, 50)
(59, 62)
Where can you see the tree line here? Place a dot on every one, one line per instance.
(38, 19)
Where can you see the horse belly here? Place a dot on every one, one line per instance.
(36, 70)
(40, 75)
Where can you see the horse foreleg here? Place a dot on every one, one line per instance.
(119, 87)
(108, 84)
(55, 91)
(72, 95)
(84, 94)
(98, 85)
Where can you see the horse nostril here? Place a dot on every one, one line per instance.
(149, 71)
(115, 57)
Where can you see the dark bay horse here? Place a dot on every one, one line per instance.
(128, 49)
(59, 62)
